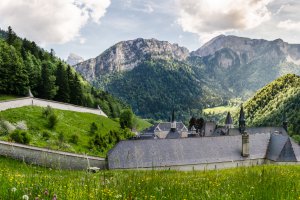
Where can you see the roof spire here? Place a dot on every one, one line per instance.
(242, 121)
(228, 119)
(242, 114)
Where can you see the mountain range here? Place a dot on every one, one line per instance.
(156, 76)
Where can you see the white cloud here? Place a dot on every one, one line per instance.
(289, 25)
(50, 22)
(82, 40)
(148, 8)
(139, 6)
(208, 18)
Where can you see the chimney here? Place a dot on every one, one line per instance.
(245, 144)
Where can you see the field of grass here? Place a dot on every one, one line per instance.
(69, 123)
(7, 97)
(262, 182)
(220, 110)
(141, 124)
(218, 114)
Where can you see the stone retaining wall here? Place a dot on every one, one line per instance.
(50, 158)
(16, 103)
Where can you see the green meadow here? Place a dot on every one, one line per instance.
(69, 125)
(261, 182)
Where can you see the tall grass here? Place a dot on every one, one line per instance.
(262, 182)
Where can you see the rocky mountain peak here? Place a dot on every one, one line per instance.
(237, 44)
(126, 55)
(247, 50)
(73, 59)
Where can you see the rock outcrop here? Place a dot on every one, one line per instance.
(74, 59)
(127, 55)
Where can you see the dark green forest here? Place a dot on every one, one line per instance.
(269, 105)
(156, 87)
(24, 66)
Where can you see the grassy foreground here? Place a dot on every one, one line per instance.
(263, 182)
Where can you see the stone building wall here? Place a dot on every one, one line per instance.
(50, 158)
(16, 103)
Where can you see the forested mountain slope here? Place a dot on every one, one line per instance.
(270, 104)
(24, 65)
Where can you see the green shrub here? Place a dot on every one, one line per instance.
(126, 119)
(74, 139)
(46, 135)
(47, 111)
(20, 136)
(93, 128)
(61, 137)
(52, 120)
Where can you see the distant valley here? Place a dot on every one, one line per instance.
(156, 76)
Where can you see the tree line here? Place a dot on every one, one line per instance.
(24, 66)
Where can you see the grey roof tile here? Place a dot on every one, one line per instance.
(173, 135)
(276, 145)
(296, 148)
(287, 153)
(168, 152)
(282, 149)
(256, 130)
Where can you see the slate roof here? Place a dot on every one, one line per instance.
(281, 149)
(173, 135)
(256, 130)
(146, 136)
(184, 151)
(296, 148)
(165, 126)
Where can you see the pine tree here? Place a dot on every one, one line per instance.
(48, 88)
(33, 69)
(63, 92)
(76, 93)
(126, 119)
(13, 77)
(11, 36)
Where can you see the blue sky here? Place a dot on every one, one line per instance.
(88, 27)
